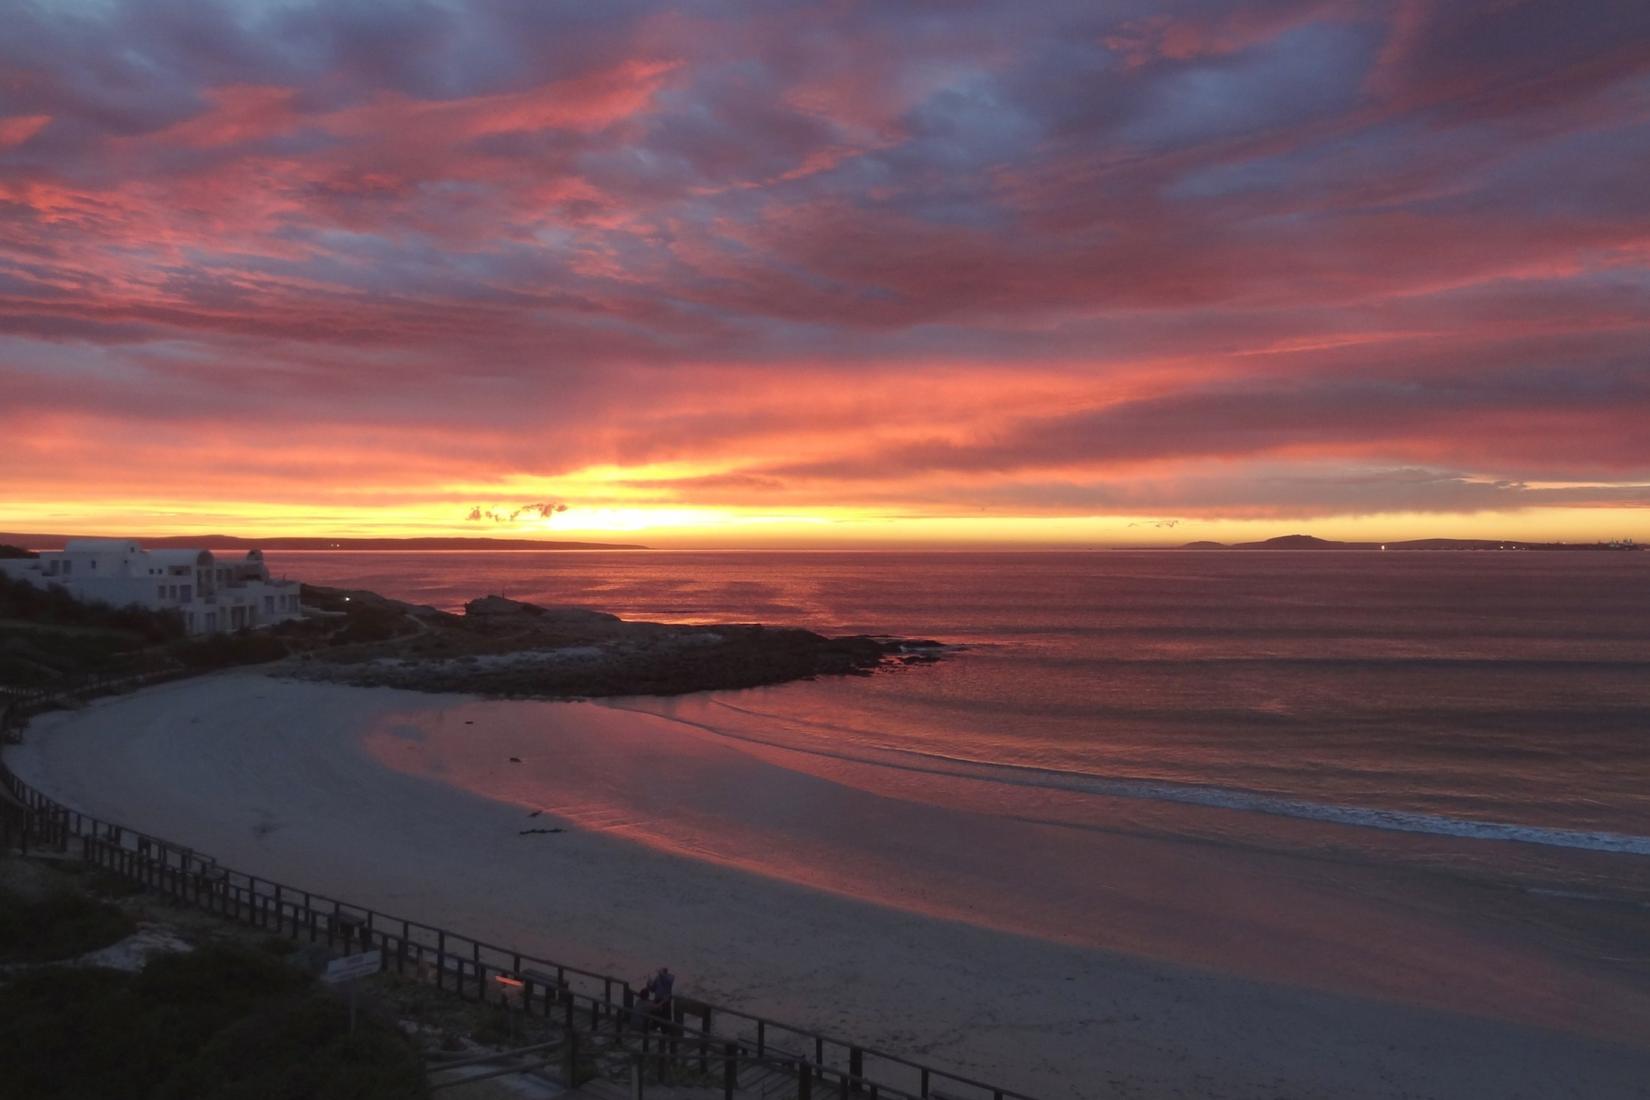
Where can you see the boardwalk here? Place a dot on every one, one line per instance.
(586, 1018)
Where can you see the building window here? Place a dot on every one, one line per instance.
(186, 592)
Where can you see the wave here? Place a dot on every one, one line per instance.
(1225, 798)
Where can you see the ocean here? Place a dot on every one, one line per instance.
(1485, 714)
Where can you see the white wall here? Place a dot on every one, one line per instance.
(228, 594)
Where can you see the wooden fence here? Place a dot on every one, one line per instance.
(573, 997)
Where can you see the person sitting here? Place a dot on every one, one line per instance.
(655, 1003)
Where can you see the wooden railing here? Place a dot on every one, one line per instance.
(572, 996)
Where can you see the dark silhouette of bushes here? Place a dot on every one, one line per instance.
(59, 926)
(245, 647)
(221, 1022)
(299, 1047)
(55, 607)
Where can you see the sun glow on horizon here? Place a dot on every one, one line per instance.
(735, 528)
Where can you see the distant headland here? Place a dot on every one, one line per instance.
(235, 542)
(1310, 542)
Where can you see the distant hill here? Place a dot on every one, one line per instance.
(1305, 542)
(1285, 542)
(1311, 542)
(234, 542)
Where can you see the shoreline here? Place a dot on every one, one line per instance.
(287, 779)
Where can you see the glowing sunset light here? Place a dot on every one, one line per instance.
(882, 275)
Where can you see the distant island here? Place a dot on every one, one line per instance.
(235, 542)
(1310, 542)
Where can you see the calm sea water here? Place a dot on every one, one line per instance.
(1469, 698)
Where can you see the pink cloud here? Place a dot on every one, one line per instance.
(857, 256)
(20, 128)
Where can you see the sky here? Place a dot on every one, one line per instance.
(826, 274)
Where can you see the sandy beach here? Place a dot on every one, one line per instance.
(1055, 957)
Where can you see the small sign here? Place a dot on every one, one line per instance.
(354, 966)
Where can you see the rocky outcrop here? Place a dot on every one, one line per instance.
(501, 646)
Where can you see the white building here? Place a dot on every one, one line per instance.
(213, 596)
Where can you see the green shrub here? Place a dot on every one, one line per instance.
(227, 650)
(373, 624)
(297, 1049)
(221, 1022)
(71, 1034)
(196, 993)
(61, 925)
(55, 607)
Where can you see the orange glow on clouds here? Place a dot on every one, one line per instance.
(828, 276)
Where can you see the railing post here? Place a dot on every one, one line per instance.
(730, 1070)
(570, 1070)
(856, 1069)
(804, 1081)
(761, 1037)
